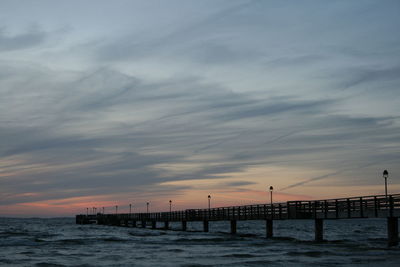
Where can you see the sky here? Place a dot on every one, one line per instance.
(106, 103)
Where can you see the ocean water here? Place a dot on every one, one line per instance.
(60, 242)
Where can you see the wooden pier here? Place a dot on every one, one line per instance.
(378, 206)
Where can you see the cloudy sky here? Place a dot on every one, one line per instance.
(106, 103)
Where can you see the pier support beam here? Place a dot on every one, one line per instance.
(143, 224)
(319, 230)
(205, 226)
(153, 224)
(233, 226)
(269, 228)
(393, 231)
(166, 225)
(184, 225)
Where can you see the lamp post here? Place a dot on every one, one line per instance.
(147, 207)
(130, 210)
(209, 202)
(270, 190)
(116, 209)
(385, 176)
(170, 206)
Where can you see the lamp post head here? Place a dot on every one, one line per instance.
(385, 174)
(170, 201)
(209, 196)
(271, 188)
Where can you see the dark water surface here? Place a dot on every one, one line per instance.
(60, 242)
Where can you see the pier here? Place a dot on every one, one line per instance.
(379, 206)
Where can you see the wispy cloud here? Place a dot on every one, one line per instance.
(31, 38)
(106, 134)
(150, 103)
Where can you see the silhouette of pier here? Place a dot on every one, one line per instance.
(379, 206)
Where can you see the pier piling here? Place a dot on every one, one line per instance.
(393, 231)
(269, 228)
(205, 226)
(233, 226)
(319, 230)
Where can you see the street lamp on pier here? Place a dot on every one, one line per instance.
(147, 207)
(209, 202)
(271, 188)
(116, 209)
(385, 176)
(170, 206)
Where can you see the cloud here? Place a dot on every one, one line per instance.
(375, 162)
(295, 61)
(31, 38)
(107, 132)
(360, 76)
(190, 38)
(237, 183)
(272, 108)
(145, 101)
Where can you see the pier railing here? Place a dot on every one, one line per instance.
(340, 208)
(354, 207)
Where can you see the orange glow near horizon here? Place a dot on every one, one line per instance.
(248, 187)
(185, 200)
(193, 199)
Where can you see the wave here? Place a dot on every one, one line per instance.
(176, 250)
(14, 233)
(203, 240)
(114, 239)
(144, 234)
(239, 255)
(311, 253)
(81, 241)
(194, 265)
(47, 264)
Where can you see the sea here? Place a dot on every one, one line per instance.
(61, 242)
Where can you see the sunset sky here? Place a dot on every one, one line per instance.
(106, 103)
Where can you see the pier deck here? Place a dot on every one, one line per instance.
(378, 206)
